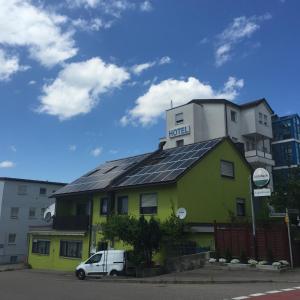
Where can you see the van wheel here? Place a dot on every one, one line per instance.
(113, 273)
(81, 274)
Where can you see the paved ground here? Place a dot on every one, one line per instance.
(31, 284)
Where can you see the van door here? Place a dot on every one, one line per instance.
(94, 264)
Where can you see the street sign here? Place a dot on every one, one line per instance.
(181, 213)
(262, 193)
(261, 177)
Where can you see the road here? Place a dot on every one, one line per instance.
(31, 285)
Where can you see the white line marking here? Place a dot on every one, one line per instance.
(297, 287)
(257, 295)
(240, 298)
(273, 292)
(287, 290)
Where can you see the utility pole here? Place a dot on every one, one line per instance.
(287, 221)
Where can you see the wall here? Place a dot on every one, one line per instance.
(53, 261)
(20, 225)
(206, 195)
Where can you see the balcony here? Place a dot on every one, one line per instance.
(259, 157)
(71, 223)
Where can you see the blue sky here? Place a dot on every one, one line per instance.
(85, 81)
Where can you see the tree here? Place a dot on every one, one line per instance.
(287, 190)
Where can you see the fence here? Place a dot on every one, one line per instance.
(271, 242)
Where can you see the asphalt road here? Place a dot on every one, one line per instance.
(32, 285)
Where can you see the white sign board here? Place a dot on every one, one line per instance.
(262, 193)
(261, 177)
(181, 213)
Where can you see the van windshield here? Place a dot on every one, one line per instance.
(94, 259)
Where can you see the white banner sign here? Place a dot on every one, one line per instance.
(262, 193)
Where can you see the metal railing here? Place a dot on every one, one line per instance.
(71, 222)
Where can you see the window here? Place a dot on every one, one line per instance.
(31, 212)
(70, 249)
(94, 259)
(22, 190)
(103, 206)
(179, 118)
(14, 212)
(123, 205)
(179, 143)
(42, 212)
(265, 120)
(234, 139)
(233, 116)
(148, 204)
(240, 208)
(12, 238)
(41, 247)
(227, 169)
(13, 259)
(260, 118)
(43, 191)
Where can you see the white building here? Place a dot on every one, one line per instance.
(205, 119)
(22, 204)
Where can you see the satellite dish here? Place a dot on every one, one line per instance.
(181, 213)
(49, 213)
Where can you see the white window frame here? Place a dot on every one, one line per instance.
(225, 172)
(179, 118)
(148, 204)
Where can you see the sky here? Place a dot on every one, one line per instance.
(86, 81)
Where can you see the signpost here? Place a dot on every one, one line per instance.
(261, 178)
(181, 213)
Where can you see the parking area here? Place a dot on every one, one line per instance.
(32, 284)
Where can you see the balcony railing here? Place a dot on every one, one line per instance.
(253, 153)
(71, 223)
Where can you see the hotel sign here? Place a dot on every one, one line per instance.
(175, 132)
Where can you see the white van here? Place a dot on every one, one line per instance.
(104, 262)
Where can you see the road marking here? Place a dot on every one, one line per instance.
(273, 292)
(287, 290)
(297, 287)
(240, 298)
(257, 295)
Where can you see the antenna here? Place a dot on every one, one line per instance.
(171, 103)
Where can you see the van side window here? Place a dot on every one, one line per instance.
(94, 259)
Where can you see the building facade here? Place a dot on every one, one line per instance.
(22, 204)
(249, 125)
(209, 179)
(286, 142)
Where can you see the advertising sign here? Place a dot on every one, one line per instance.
(261, 177)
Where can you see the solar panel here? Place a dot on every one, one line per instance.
(102, 176)
(168, 164)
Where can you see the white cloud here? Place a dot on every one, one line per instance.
(77, 88)
(13, 148)
(72, 148)
(9, 65)
(138, 69)
(146, 6)
(241, 28)
(164, 60)
(113, 151)
(152, 105)
(91, 25)
(5, 164)
(32, 82)
(24, 25)
(97, 151)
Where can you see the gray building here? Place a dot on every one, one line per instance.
(249, 124)
(22, 204)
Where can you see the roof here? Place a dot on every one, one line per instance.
(224, 101)
(166, 166)
(102, 176)
(287, 117)
(31, 181)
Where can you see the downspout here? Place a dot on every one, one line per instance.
(226, 121)
(90, 227)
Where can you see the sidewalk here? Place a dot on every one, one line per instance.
(208, 275)
(12, 267)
